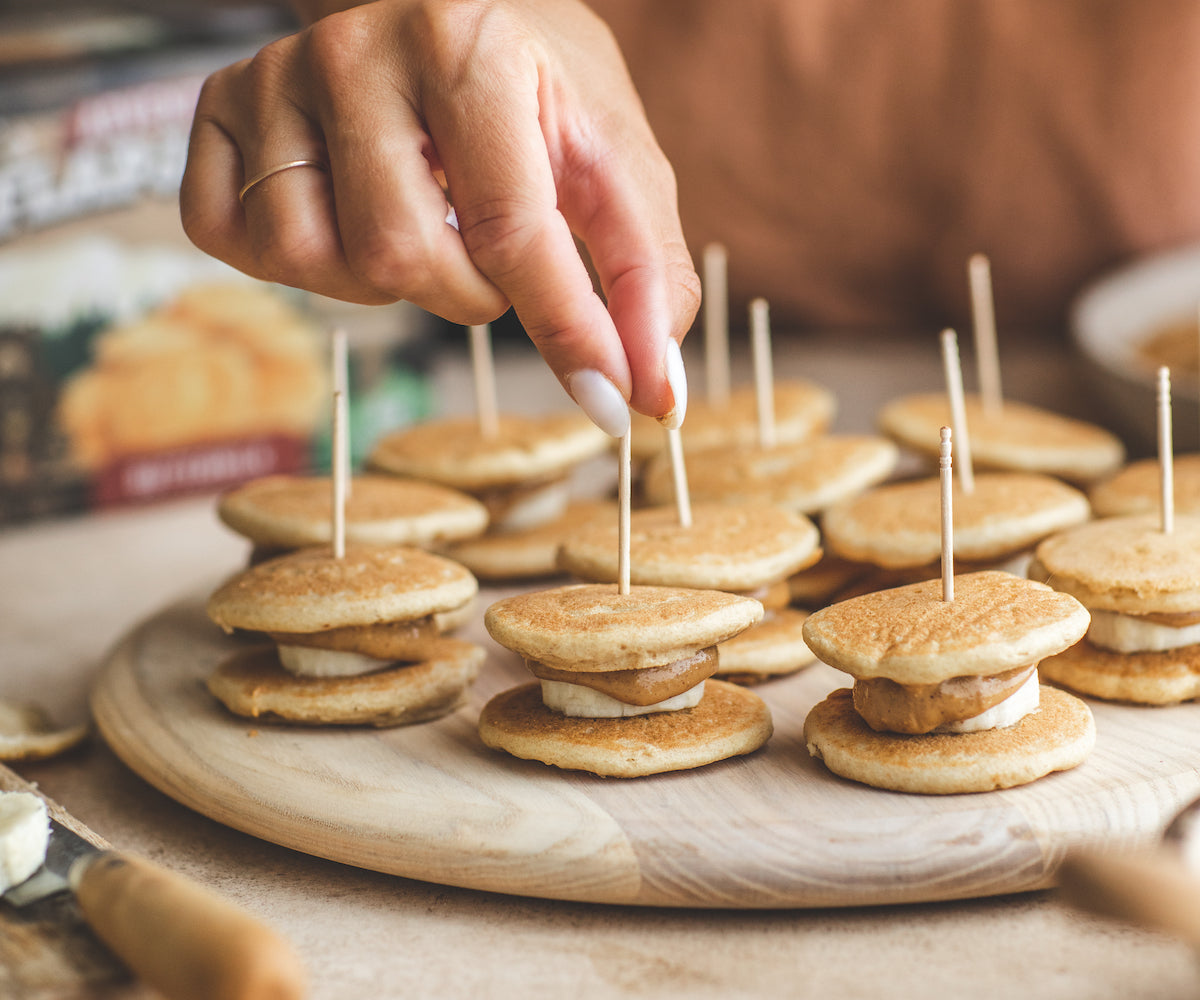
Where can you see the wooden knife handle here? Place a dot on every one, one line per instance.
(185, 941)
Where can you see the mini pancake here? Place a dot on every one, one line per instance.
(340, 626)
(592, 627)
(1143, 589)
(1125, 564)
(727, 722)
(774, 647)
(455, 452)
(803, 410)
(1136, 489)
(311, 591)
(1019, 437)
(996, 622)
(734, 547)
(291, 512)
(823, 582)
(898, 525)
(742, 548)
(680, 719)
(1162, 677)
(28, 733)
(805, 477)
(532, 552)
(946, 696)
(253, 684)
(1057, 737)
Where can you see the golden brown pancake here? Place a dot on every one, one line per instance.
(532, 552)
(1020, 437)
(996, 622)
(593, 627)
(825, 580)
(309, 590)
(1125, 564)
(1164, 677)
(290, 512)
(802, 410)
(898, 525)
(252, 683)
(1136, 489)
(806, 477)
(455, 452)
(735, 547)
(727, 722)
(1058, 736)
(772, 648)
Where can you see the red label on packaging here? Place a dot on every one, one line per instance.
(197, 469)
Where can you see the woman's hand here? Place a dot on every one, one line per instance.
(524, 110)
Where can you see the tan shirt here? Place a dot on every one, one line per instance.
(853, 153)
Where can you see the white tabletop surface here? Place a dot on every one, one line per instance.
(69, 588)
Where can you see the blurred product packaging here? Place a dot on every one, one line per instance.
(132, 366)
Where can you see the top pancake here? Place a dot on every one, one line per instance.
(455, 452)
(1125, 564)
(996, 622)
(310, 591)
(898, 525)
(802, 410)
(592, 627)
(1136, 490)
(727, 547)
(1018, 436)
(806, 477)
(289, 512)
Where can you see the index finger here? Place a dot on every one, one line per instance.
(489, 137)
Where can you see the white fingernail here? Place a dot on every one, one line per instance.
(600, 400)
(452, 217)
(677, 380)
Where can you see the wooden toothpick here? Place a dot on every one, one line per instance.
(945, 463)
(623, 505)
(987, 355)
(341, 384)
(1166, 452)
(764, 378)
(716, 324)
(683, 496)
(958, 409)
(338, 469)
(484, 369)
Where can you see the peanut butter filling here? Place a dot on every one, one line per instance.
(920, 708)
(772, 597)
(646, 686)
(411, 641)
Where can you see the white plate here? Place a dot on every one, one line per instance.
(1116, 313)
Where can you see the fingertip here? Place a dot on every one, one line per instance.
(600, 400)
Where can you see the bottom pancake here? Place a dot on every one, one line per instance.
(1058, 736)
(728, 721)
(252, 683)
(773, 647)
(1156, 678)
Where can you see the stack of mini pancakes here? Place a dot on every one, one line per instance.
(521, 475)
(356, 639)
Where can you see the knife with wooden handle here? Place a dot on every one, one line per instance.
(182, 939)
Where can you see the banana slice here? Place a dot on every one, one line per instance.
(581, 702)
(24, 836)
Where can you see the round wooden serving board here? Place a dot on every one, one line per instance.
(774, 829)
